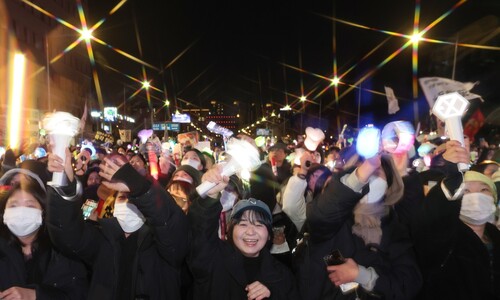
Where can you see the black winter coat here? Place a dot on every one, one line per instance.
(58, 276)
(330, 221)
(454, 261)
(217, 266)
(162, 245)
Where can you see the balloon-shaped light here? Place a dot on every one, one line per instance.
(145, 134)
(368, 142)
(398, 137)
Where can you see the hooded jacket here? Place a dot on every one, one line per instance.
(331, 224)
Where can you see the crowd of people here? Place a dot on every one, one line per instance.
(308, 223)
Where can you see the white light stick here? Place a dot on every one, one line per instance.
(244, 157)
(398, 137)
(450, 109)
(341, 135)
(61, 127)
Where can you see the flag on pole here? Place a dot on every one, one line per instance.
(83, 118)
(392, 101)
(436, 86)
(474, 123)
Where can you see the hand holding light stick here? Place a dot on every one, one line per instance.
(61, 128)
(450, 109)
(244, 157)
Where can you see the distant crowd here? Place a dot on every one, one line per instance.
(310, 222)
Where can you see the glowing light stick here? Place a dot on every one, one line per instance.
(398, 137)
(341, 135)
(16, 100)
(153, 161)
(244, 157)
(61, 128)
(450, 108)
(368, 143)
(274, 166)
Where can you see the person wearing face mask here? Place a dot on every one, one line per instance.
(241, 266)
(194, 158)
(354, 220)
(138, 253)
(457, 247)
(30, 266)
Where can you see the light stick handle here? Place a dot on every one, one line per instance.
(229, 169)
(456, 132)
(59, 144)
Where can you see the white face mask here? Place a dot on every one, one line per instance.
(227, 200)
(191, 162)
(129, 217)
(378, 187)
(22, 220)
(477, 208)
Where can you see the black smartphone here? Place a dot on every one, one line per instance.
(334, 258)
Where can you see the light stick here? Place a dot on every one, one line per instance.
(450, 109)
(244, 157)
(61, 128)
(16, 100)
(398, 137)
(368, 142)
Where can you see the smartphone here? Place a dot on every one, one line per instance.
(88, 207)
(334, 258)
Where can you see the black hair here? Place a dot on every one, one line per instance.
(254, 216)
(320, 181)
(187, 188)
(29, 186)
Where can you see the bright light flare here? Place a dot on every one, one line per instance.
(303, 98)
(16, 100)
(86, 34)
(167, 103)
(145, 84)
(335, 81)
(415, 38)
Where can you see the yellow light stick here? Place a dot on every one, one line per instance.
(16, 100)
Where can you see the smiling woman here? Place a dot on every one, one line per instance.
(240, 267)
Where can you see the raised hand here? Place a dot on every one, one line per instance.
(456, 153)
(108, 168)
(214, 175)
(55, 164)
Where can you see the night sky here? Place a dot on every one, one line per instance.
(251, 52)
